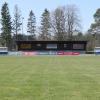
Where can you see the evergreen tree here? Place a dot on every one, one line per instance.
(31, 25)
(6, 25)
(16, 21)
(45, 25)
(95, 27)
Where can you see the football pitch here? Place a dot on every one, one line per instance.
(50, 78)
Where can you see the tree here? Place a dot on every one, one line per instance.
(72, 20)
(16, 21)
(58, 24)
(78, 36)
(6, 26)
(45, 26)
(31, 25)
(65, 22)
(95, 29)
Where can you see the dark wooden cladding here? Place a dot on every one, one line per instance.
(51, 45)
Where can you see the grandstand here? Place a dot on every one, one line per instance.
(52, 47)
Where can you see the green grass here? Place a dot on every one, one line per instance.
(50, 78)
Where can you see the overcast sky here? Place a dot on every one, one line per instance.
(86, 7)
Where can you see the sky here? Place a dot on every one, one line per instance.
(87, 8)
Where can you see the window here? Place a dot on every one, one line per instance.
(39, 45)
(78, 46)
(51, 46)
(65, 45)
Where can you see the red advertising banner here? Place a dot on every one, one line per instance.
(67, 53)
(60, 53)
(50, 53)
(29, 53)
(76, 53)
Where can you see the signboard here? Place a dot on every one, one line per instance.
(25, 46)
(97, 50)
(29, 53)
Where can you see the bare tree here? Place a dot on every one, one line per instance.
(72, 20)
(58, 23)
(16, 25)
(65, 21)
